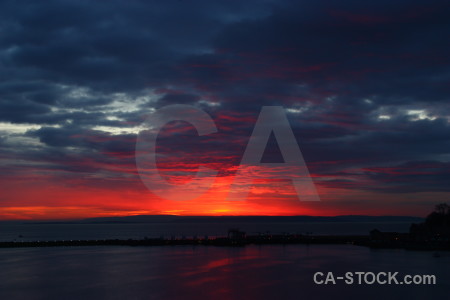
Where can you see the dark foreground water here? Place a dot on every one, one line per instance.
(200, 272)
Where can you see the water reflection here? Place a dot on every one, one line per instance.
(199, 272)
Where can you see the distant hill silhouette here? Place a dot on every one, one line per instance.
(226, 219)
(246, 219)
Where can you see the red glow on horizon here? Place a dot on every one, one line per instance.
(114, 189)
(40, 199)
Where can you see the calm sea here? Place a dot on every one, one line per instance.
(208, 272)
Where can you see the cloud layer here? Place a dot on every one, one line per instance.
(365, 86)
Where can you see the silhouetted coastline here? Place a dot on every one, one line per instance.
(433, 234)
(377, 239)
(218, 241)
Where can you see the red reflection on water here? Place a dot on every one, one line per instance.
(221, 274)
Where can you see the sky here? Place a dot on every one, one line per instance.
(365, 86)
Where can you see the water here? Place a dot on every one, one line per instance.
(207, 272)
(201, 272)
(35, 232)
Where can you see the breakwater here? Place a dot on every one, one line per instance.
(219, 241)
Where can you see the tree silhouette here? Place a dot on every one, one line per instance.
(442, 209)
(436, 223)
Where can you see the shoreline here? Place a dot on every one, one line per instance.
(358, 240)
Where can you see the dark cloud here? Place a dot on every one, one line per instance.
(365, 84)
(414, 176)
(169, 99)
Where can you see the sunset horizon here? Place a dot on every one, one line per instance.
(270, 149)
